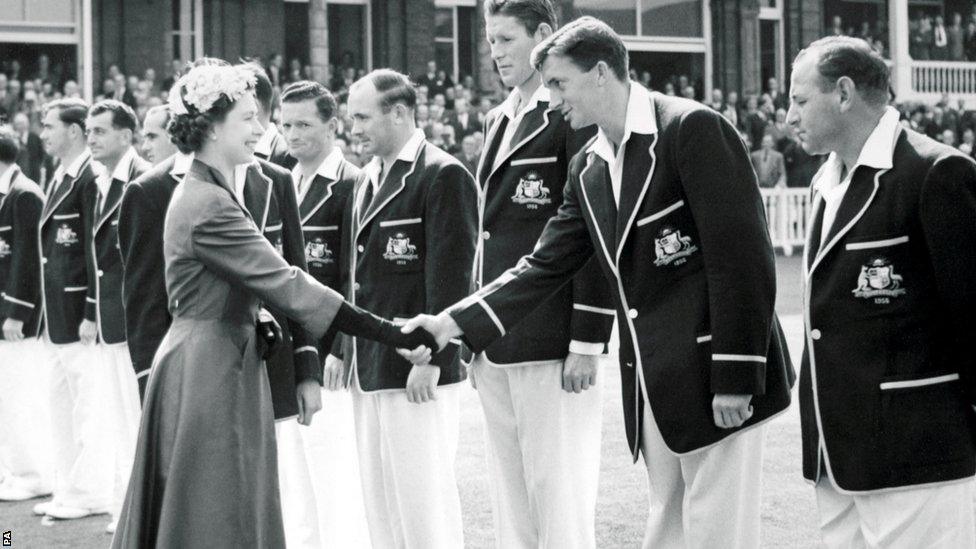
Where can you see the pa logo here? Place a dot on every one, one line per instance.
(8, 539)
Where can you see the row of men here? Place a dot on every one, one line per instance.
(691, 276)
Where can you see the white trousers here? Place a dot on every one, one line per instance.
(25, 422)
(934, 517)
(122, 397)
(321, 494)
(707, 499)
(82, 434)
(406, 461)
(543, 453)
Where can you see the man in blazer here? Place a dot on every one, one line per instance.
(681, 236)
(769, 165)
(82, 445)
(110, 127)
(544, 461)
(411, 246)
(271, 146)
(887, 383)
(142, 214)
(321, 501)
(25, 437)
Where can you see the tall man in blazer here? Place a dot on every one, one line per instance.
(666, 198)
(82, 445)
(321, 497)
(25, 437)
(887, 383)
(142, 213)
(110, 127)
(544, 441)
(411, 246)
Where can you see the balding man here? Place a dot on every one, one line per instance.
(887, 384)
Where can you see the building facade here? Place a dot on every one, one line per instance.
(726, 44)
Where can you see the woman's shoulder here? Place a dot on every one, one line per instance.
(199, 197)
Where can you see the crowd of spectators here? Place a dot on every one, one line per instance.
(451, 114)
(942, 38)
(874, 32)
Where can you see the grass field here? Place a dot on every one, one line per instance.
(788, 508)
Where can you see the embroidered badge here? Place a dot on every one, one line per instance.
(672, 248)
(532, 191)
(318, 252)
(400, 250)
(4, 248)
(878, 281)
(66, 236)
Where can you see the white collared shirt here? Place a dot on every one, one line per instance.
(508, 108)
(408, 153)
(7, 179)
(640, 119)
(878, 152)
(263, 146)
(104, 180)
(240, 178)
(329, 169)
(74, 169)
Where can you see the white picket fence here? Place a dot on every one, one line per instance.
(788, 215)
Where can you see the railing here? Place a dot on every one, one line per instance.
(938, 77)
(788, 215)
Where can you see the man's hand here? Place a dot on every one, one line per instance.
(731, 411)
(422, 383)
(88, 332)
(579, 372)
(334, 373)
(442, 327)
(309, 400)
(13, 330)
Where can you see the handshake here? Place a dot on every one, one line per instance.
(430, 334)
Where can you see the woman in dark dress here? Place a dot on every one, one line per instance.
(205, 471)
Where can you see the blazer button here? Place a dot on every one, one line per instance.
(44, 260)
(815, 334)
(361, 248)
(485, 235)
(355, 286)
(632, 313)
(101, 272)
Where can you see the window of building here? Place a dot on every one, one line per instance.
(651, 18)
(454, 37)
(350, 30)
(186, 38)
(867, 20)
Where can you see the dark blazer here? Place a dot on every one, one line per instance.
(141, 217)
(279, 153)
(691, 266)
(63, 251)
(269, 195)
(322, 210)
(104, 303)
(517, 199)
(31, 157)
(20, 261)
(410, 252)
(889, 376)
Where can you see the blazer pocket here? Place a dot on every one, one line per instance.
(400, 222)
(923, 421)
(540, 160)
(660, 214)
(877, 243)
(63, 217)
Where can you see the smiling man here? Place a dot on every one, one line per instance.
(887, 384)
(666, 199)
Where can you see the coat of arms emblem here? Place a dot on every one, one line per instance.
(532, 191)
(4, 248)
(672, 248)
(317, 251)
(66, 236)
(400, 250)
(879, 281)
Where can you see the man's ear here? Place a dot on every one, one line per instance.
(846, 89)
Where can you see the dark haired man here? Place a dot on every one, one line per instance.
(110, 127)
(666, 198)
(411, 246)
(25, 437)
(323, 181)
(82, 445)
(271, 146)
(887, 384)
(537, 386)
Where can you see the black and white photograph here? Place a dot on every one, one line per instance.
(487, 274)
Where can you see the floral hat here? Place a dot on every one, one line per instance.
(200, 88)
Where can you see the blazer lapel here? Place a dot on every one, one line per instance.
(639, 164)
(60, 192)
(391, 186)
(813, 232)
(257, 194)
(318, 193)
(110, 203)
(595, 182)
(496, 130)
(532, 123)
(864, 187)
